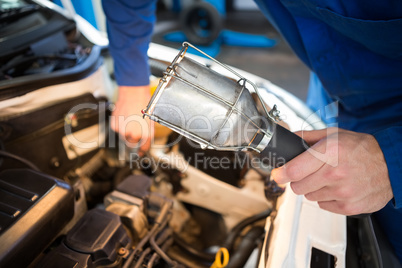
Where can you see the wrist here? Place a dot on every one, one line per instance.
(134, 90)
(139, 94)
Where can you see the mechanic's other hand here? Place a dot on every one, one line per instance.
(344, 171)
(127, 118)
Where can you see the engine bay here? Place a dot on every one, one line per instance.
(112, 212)
(74, 194)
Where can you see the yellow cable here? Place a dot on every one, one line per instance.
(222, 254)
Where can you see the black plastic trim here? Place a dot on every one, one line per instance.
(25, 84)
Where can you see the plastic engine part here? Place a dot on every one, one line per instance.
(94, 241)
(34, 208)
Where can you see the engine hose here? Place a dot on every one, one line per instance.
(239, 258)
(152, 260)
(155, 256)
(149, 236)
(19, 159)
(141, 258)
(161, 220)
(154, 245)
(163, 255)
(192, 251)
(185, 261)
(163, 236)
(158, 222)
(234, 233)
(158, 250)
(139, 247)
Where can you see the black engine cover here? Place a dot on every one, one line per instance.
(34, 208)
(94, 241)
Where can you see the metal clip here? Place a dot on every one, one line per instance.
(274, 114)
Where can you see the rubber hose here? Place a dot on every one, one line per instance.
(245, 248)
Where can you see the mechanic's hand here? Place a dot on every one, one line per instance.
(344, 171)
(127, 117)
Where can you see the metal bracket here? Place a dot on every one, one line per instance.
(274, 114)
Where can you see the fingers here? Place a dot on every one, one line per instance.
(298, 168)
(335, 199)
(140, 136)
(145, 139)
(136, 131)
(344, 208)
(322, 152)
(322, 186)
(313, 183)
(332, 193)
(321, 195)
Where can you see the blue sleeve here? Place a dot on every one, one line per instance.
(129, 26)
(390, 141)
